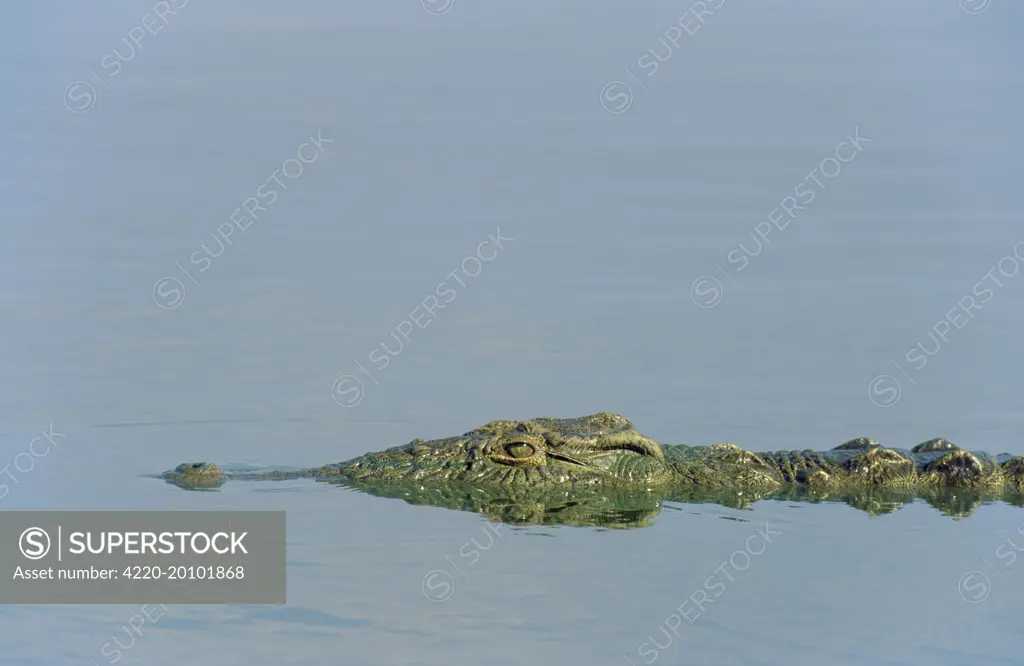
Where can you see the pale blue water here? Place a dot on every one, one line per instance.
(447, 128)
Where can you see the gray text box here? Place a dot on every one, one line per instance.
(120, 557)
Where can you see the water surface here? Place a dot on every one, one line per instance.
(446, 128)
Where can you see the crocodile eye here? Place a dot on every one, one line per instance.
(520, 450)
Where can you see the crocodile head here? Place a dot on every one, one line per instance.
(601, 449)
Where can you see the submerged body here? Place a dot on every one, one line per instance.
(593, 458)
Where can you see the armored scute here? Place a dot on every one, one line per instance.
(596, 469)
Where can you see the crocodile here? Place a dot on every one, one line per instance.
(599, 470)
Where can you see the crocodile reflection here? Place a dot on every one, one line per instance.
(598, 470)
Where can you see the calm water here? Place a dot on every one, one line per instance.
(633, 173)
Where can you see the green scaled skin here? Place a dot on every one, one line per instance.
(598, 470)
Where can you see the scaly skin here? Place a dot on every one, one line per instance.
(599, 450)
(599, 468)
